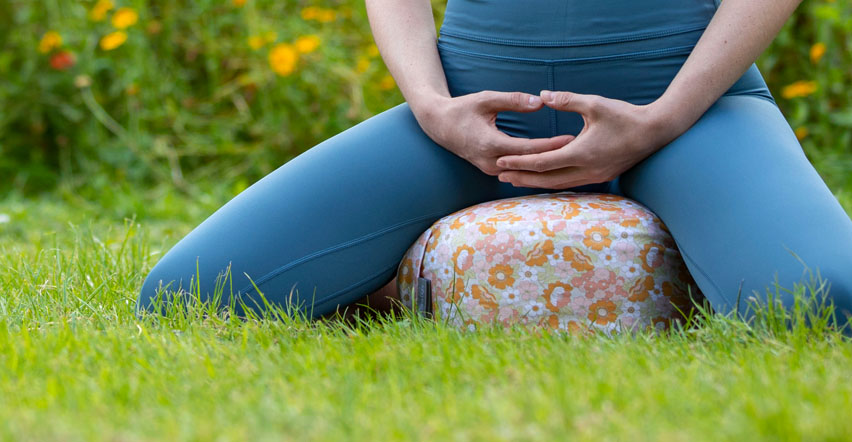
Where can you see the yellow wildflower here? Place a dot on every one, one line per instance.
(113, 40)
(49, 41)
(817, 51)
(283, 58)
(386, 82)
(325, 15)
(373, 50)
(799, 89)
(124, 18)
(363, 65)
(239, 3)
(307, 43)
(270, 36)
(801, 132)
(99, 11)
(256, 42)
(309, 12)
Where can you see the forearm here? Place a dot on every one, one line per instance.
(404, 31)
(735, 37)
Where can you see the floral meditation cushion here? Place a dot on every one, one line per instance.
(569, 261)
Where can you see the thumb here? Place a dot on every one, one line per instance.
(568, 101)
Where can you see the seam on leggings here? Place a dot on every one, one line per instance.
(551, 85)
(676, 50)
(573, 42)
(334, 295)
(340, 246)
(706, 277)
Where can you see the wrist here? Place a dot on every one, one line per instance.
(425, 106)
(668, 119)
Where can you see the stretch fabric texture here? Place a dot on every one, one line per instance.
(736, 191)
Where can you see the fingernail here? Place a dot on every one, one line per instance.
(546, 95)
(535, 100)
(501, 163)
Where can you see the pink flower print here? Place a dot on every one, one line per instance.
(508, 316)
(625, 251)
(529, 290)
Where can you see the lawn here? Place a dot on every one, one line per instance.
(75, 364)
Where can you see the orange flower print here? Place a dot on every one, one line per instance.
(611, 198)
(506, 205)
(638, 292)
(486, 228)
(433, 240)
(463, 258)
(538, 255)
(500, 276)
(509, 217)
(552, 321)
(579, 260)
(597, 238)
(571, 210)
(651, 256)
(605, 207)
(406, 272)
(485, 298)
(630, 222)
(602, 312)
(455, 292)
(557, 295)
(546, 230)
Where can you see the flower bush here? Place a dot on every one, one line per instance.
(147, 92)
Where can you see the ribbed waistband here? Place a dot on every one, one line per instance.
(567, 23)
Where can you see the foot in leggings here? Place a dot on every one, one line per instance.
(735, 190)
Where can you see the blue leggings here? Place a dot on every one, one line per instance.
(735, 190)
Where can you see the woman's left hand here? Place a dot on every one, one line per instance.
(616, 135)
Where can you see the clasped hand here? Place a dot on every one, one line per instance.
(616, 135)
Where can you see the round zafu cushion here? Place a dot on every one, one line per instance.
(568, 261)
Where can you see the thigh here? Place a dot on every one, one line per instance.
(744, 205)
(330, 225)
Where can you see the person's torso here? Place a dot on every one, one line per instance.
(573, 22)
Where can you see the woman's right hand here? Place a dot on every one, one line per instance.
(466, 125)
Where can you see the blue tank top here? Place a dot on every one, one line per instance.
(573, 22)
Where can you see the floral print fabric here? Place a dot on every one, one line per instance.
(569, 261)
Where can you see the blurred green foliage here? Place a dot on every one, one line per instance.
(193, 95)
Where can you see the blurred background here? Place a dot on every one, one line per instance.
(170, 108)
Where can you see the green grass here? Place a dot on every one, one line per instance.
(75, 364)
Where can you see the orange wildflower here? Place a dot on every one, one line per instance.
(283, 58)
(307, 43)
(113, 40)
(49, 41)
(817, 51)
(124, 18)
(99, 11)
(386, 83)
(799, 89)
(801, 132)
